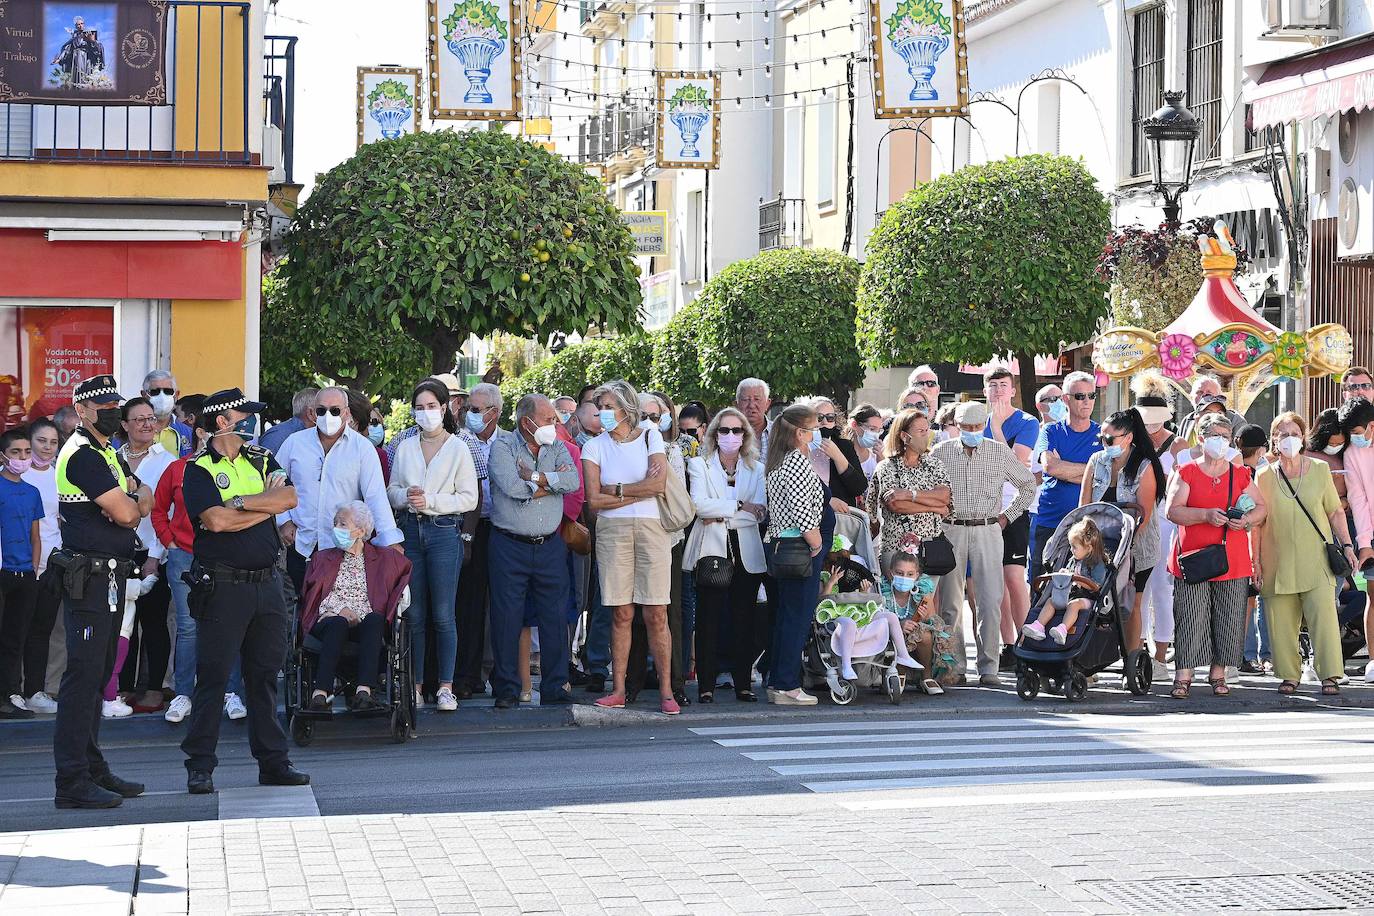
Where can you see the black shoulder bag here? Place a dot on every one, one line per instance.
(1335, 555)
(1209, 562)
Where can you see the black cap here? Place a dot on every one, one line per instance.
(230, 399)
(1251, 436)
(99, 388)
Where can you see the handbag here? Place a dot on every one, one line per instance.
(1335, 555)
(675, 507)
(714, 572)
(1209, 562)
(576, 536)
(791, 559)
(936, 556)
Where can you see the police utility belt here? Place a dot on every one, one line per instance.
(69, 573)
(203, 580)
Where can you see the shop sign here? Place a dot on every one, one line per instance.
(649, 229)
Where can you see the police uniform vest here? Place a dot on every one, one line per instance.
(246, 474)
(84, 527)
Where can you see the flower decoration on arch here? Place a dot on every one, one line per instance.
(1176, 354)
(1290, 354)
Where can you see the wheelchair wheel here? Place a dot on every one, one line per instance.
(893, 685)
(1027, 685)
(302, 731)
(846, 694)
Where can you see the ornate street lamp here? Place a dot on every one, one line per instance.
(1172, 132)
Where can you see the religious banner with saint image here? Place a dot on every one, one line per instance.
(920, 65)
(388, 103)
(474, 59)
(83, 53)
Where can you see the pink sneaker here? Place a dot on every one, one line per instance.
(1060, 634)
(613, 701)
(1033, 630)
(670, 707)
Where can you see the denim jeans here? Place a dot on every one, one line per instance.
(796, 607)
(598, 641)
(436, 556)
(1257, 634)
(522, 575)
(184, 652)
(689, 620)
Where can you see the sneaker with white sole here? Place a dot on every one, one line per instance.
(796, 697)
(41, 703)
(1232, 674)
(234, 708)
(1160, 671)
(115, 709)
(445, 701)
(19, 702)
(178, 709)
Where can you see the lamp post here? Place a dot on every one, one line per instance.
(1172, 132)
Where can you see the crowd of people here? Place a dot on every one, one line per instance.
(615, 541)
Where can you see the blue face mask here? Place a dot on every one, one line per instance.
(1359, 441)
(343, 538)
(903, 583)
(1112, 452)
(816, 438)
(245, 429)
(475, 422)
(665, 424)
(970, 439)
(608, 420)
(376, 433)
(869, 439)
(1059, 412)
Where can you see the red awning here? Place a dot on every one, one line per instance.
(1327, 81)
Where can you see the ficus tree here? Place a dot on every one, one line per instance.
(991, 260)
(445, 234)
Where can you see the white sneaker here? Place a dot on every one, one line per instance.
(115, 709)
(525, 697)
(419, 698)
(18, 702)
(445, 701)
(1160, 671)
(1369, 673)
(178, 709)
(796, 697)
(234, 708)
(1232, 674)
(41, 703)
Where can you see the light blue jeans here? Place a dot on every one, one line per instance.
(436, 557)
(1257, 634)
(184, 655)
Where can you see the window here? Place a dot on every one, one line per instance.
(45, 351)
(1204, 73)
(1147, 80)
(691, 238)
(792, 153)
(825, 154)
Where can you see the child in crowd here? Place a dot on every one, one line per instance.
(849, 578)
(909, 594)
(23, 510)
(1089, 561)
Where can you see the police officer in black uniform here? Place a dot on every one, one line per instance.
(233, 492)
(100, 503)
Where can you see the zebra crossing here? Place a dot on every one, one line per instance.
(957, 762)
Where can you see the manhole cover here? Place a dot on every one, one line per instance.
(1352, 888)
(1251, 893)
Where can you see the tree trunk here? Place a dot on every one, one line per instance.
(443, 344)
(1026, 363)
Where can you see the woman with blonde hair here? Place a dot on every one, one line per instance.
(1154, 402)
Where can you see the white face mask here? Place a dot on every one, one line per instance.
(1290, 446)
(1215, 446)
(1333, 449)
(162, 404)
(329, 424)
(429, 420)
(545, 435)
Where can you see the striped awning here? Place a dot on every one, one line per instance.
(1320, 83)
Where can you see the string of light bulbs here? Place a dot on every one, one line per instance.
(532, 32)
(767, 69)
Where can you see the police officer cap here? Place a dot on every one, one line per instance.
(99, 388)
(230, 399)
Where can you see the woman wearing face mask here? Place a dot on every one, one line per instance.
(1357, 423)
(364, 417)
(1212, 501)
(432, 484)
(1127, 472)
(1326, 443)
(728, 489)
(866, 435)
(909, 493)
(1290, 557)
(834, 459)
(42, 474)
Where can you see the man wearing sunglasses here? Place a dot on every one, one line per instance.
(1206, 393)
(1356, 382)
(926, 383)
(160, 388)
(1063, 450)
(331, 464)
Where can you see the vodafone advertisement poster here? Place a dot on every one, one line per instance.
(45, 352)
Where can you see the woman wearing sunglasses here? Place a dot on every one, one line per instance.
(728, 489)
(834, 459)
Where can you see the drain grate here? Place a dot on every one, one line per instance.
(1251, 893)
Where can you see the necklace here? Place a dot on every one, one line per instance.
(132, 455)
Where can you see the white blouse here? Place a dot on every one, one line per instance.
(449, 481)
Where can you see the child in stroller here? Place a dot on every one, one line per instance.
(1090, 562)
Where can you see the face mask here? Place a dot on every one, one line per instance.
(18, 466)
(816, 438)
(730, 443)
(343, 538)
(665, 424)
(608, 420)
(1357, 441)
(1333, 449)
(1153, 428)
(107, 421)
(430, 419)
(1059, 412)
(1290, 446)
(245, 428)
(903, 583)
(162, 404)
(1215, 446)
(376, 432)
(564, 416)
(869, 439)
(475, 422)
(969, 439)
(830, 432)
(1112, 452)
(329, 424)
(545, 435)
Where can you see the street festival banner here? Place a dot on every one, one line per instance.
(920, 65)
(688, 121)
(388, 103)
(83, 53)
(474, 59)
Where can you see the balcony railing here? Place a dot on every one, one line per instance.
(208, 113)
(615, 130)
(279, 106)
(782, 223)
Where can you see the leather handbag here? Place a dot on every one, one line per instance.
(714, 572)
(675, 507)
(936, 556)
(1335, 555)
(1210, 562)
(576, 535)
(791, 559)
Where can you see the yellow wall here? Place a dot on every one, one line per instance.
(221, 97)
(209, 352)
(132, 181)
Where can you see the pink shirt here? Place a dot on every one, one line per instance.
(1359, 489)
(572, 502)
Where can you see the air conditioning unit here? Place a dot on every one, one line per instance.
(1352, 184)
(1302, 18)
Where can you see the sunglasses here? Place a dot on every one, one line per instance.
(1109, 439)
(826, 417)
(476, 409)
(156, 391)
(928, 383)
(332, 411)
(1090, 396)
(1052, 399)
(920, 406)
(730, 431)
(1359, 386)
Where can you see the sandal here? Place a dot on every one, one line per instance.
(1219, 688)
(1288, 688)
(1331, 687)
(1181, 689)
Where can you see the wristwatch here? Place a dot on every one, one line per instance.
(237, 503)
(535, 477)
(466, 537)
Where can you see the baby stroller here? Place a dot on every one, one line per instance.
(396, 690)
(820, 661)
(1098, 639)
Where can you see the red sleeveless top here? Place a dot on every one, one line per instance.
(1203, 493)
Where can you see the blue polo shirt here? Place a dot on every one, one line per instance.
(1019, 429)
(1057, 498)
(20, 506)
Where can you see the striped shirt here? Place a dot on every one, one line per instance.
(976, 480)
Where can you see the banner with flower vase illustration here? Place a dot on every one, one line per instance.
(688, 121)
(388, 103)
(474, 59)
(920, 64)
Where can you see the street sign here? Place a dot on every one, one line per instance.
(649, 228)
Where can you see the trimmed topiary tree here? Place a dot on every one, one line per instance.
(676, 367)
(786, 317)
(991, 260)
(627, 358)
(442, 235)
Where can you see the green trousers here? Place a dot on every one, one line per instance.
(1286, 613)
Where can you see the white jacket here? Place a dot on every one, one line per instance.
(708, 492)
(449, 481)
